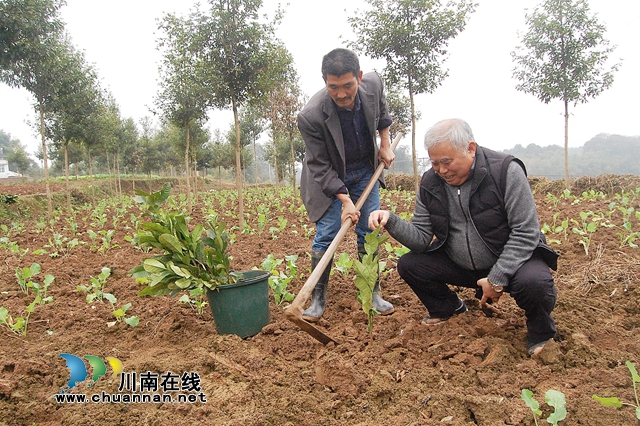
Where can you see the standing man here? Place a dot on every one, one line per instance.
(475, 225)
(339, 126)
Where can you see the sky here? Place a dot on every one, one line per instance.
(119, 37)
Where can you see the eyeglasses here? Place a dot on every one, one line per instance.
(443, 161)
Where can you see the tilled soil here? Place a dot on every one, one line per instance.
(469, 370)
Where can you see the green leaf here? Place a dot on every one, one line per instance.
(4, 314)
(132, 321)
(557, 400)
(183, 283)
(529, 400)
(181, 271)
(153, 266)
(171, 243)
(608, 402)
(155, 228)
(633, 371)
(110, 297)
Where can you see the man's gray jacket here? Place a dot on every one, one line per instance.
(323, 168)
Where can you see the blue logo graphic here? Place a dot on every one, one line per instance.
(78, 370)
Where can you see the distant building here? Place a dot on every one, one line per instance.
(4, 168)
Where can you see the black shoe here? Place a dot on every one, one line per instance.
(462, 308)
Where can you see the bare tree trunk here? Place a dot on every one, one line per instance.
(414, 153)
(238, 165)
(293, 164)
(109, 176)
(393, 174)
(119, 181)
(66, 173)
(195, 181)
(566, 145)
(45, 165)
(255, 162)
(275, 161)
(93, 187)
(186, 169)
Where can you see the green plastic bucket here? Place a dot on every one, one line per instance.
(241, 308)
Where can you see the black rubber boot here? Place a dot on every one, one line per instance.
(379, 304)
(319, 294)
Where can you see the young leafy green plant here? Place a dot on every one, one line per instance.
(615, 402)
(120, 313)
(367, 274)
(19, 324)
(196, 299)
(26, 282)
(94, 290)
(279, 280)
(343, 264)
(553, 398)
(188, 259)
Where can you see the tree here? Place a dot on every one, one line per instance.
(77, 98)
(15, 153)
(285, 101)
(183, 98)
(563, 57)
(411, 36)
(238, 62)
(400, 109)
(252, 125)
(24, 26)
(30, 57)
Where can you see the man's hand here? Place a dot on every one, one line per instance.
(377, 218)
(348, 209)
(488, 293)
(386, 156)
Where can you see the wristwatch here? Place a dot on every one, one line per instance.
(495, 287)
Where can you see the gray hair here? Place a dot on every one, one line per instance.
(454, 130)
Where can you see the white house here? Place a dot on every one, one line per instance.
(4, 168)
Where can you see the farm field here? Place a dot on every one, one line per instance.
(470, 370)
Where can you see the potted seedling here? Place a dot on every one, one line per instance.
(197, 258)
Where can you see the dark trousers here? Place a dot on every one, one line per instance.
(532, 288)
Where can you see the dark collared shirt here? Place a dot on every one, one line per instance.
(358, 148)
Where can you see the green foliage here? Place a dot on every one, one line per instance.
(564, 53)
(279, 280)
(95, 289)
(615, 402)
(189, 259)
(367, 273)
(120, 314)
(19, 325)
(587, 225)
(602, 154)
(412, 38)
(552, 398)
(8, 199)
(563, 57)
(343, 264)
(26, 282)
(196, 298)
